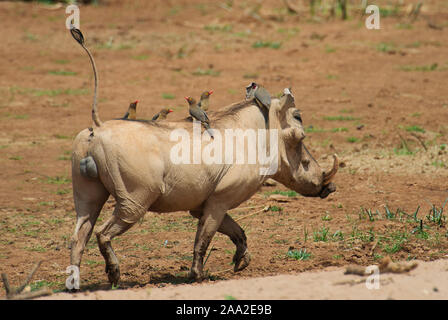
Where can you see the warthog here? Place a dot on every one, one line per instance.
(130, 160)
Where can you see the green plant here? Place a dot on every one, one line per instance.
(420, 232)
(425, 68)
(61, 136)
(332, 76)
(352, 139)
(168, 96)
(275, 208)
(329, 49)
(310, 129)
(415, 129)
(404, 149)
(36, 285)
(140, 57)
(63, 73)
(207, 72)
(386, 47)
(266, 44)
(340, 118)
(61, 61)
(220, 28)
(368, 212)
(58, 180)
(289, 193)
(305, 234)
(436, 215)
(338, 236)
(321, 235)
(299, 255)
(339, 129)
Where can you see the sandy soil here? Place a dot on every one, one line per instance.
(377, 98)
(427, 281)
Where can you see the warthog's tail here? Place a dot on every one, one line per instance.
(77, 35)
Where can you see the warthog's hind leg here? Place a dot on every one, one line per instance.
(112, 228)
(89, 197)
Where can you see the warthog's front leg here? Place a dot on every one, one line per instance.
(232, 229)
(208, 224)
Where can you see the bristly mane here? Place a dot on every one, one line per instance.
(149, 122)
(233, 109)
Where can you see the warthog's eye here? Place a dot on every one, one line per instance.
(297, 116)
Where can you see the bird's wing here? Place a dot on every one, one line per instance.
(205, 116)
(199, 114)
(263, 96)
(156, 116)
(126, 115)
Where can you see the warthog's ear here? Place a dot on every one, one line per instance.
(286, 100)
(293, 134)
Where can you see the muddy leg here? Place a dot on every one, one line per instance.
(112, 228)
(208, 224)
(88, 205)
(233, 230)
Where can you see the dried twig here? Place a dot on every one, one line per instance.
(28, 279)
(254, 213)
(372, 251)
(6, 283)
(414, 13)
(404, 143)
(386, 266)
(16, 293)
(221, 271)
(419, 140)
(243, 208)
(33, 294)
(293, 7)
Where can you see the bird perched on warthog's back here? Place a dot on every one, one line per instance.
(205, 100)
(162, 114)
(261, 95)
(198, 114)
(131, 114)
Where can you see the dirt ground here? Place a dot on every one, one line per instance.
(377, 98)
(422, 283)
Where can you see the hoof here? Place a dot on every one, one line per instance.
(196, 275)
(113, 273)
(73, 290)
(242, 262)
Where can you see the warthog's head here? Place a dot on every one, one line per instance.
(298, 170)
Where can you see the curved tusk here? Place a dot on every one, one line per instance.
(330, 175)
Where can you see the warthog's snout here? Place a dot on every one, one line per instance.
(326, 190)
